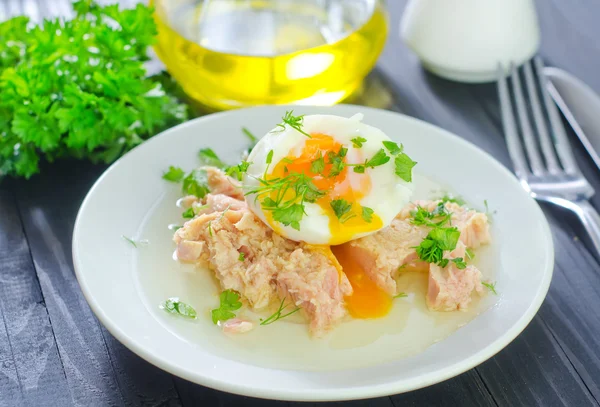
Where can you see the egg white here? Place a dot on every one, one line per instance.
(388, 195)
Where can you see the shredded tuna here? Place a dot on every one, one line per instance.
(219, 183)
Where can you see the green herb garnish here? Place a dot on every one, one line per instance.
(252, 137)
(393, 148)
(278, 314)
(208, 157)
(196, 183)
(470, 254)
(404, 165)
(400, 295)
(78, 88)
(189, 213)
(378, 159)
(367, 214)
(453, 199)
(242, 256)
(130, 240)
(229, 301)
(174, 174)
(295, 122)
(437, 241)
(491, 287)
(460, 263)
(318, 165)
(238, 171)
(357, 142)
(174, 306)
(438, 217)
(342, 209)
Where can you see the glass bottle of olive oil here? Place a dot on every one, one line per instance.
(235, 53)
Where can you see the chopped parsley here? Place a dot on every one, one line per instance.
(367, 214)
(174, 306)
(437, 241)
(438, 217)
(278, 314)
(189, 213)
(208, 157)
(357, 142)
(404, 165)
(378, 159)
(196, 183)
(337, 162)
(393, 148)
(453, 199)
(470, 254)
(459, 263)
(400, 295)
(295, 122)
(318, 165)
(174, 174)
(242, 256)
(238, 171)
(491, 287)
(342, 209)
(229, 301)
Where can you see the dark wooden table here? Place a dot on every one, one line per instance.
(54, 352)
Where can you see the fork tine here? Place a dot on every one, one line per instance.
(540, 121)
(535, 160)
(563, 148)
(515, 149)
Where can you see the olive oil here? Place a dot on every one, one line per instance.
(235, 53)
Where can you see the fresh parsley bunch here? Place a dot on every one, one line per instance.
(78, 88)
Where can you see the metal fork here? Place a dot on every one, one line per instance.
(541, 154)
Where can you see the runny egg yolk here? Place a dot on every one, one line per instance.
(336, 187)
(367, 300)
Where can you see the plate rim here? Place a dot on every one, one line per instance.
(362, 392)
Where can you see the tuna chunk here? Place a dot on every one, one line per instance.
(450, 288)
(315, 284)
(473, 226)
(271, 266)
(237, 326)
(381, 254)
(219, 183)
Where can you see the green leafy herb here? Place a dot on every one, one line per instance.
(404, 165)
(238, 171)
(367, 214)
(208, 157)
(78, 88)
(174, 306)
(378, 159)
(318, 165)
(278, 314)
(491, 287)
(242, 256)
(357, 142)
(189, 213)
(400, 295)
(470, 254)
(251, 136)
(342, 209)
(133, 243)
(269, 158)
(438, 217)
(196, 183)
(175, 174)
(437, 241)
(229, 301)
(295, 122)
(453, 199)
(393, 148)
(337, 161)
(460, 263)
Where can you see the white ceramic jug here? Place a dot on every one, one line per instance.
(464, 40)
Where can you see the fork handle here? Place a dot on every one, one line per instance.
(591, 221)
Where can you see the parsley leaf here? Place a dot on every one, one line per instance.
(404, 166)
(242, 256)
(289, 216)
(229, 301)
(175, 174)
(189, 213)
(393, 148)
(238, 171)
(208, 157)
(196, 183)
(438, 217)
(470, 254)
(460, 263)
(367, 214)
(357, 142)
(342, 209)
(78, 88)
(378, 159)
(437, 241)
(491, 287)
(174, 306)
(318, 165)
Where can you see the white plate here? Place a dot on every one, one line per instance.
(123, 285)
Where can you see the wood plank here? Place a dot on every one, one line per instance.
(31, 371)
(99, 370)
